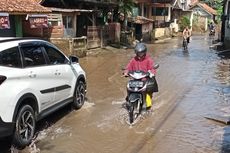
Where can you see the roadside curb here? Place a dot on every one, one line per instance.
(105, 49)
(162, 40)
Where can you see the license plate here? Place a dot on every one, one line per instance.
(136, 84)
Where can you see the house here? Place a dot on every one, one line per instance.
(22, 17)
(166, 14)
(202, 14)
(88, 19)
(143, 28)
(157, 10)
(70, 21)
(77, 15)
(153, 15)
(180, 9)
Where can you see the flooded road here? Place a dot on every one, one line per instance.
(192, 85)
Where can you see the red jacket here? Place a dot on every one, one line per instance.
(144, 64)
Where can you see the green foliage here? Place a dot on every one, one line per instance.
(184, 21)
(126, 8)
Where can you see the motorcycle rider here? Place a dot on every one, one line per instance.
(211, 28)
(143, 62)
(187, 34)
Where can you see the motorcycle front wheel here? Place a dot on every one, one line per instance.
(185, 44)
(131, 112)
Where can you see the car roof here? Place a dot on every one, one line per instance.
(9, 42)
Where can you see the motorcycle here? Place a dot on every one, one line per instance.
(137, 87)
(212, 32)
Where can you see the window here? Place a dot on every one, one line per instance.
(33, 56)
(10, 57)
(55, 19)
(55, 57)
(68, 22)
(159, 11)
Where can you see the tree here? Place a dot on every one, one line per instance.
(125, 8)
(184, 22)
(217, 5)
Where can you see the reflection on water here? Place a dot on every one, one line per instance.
(223, 76)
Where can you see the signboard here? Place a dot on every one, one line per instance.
(38, 21)
(4, 21)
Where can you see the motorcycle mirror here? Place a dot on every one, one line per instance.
(122, 68)
(156, 66)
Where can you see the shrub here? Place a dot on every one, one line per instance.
(184, 21)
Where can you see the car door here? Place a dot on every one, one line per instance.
(64, 77)
(40, 78)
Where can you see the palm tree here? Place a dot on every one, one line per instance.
(126, 8)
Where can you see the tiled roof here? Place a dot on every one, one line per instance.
(22, 6)
(194, 2)
(208, 8)
(204, 6)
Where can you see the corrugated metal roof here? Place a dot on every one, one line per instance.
(69, 10)
(22, 7)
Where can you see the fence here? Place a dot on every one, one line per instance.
(71, 46)
(99, 36)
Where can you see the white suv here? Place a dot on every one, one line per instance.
(36, 79)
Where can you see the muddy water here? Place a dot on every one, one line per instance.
(192, 85)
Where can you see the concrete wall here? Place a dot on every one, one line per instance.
(162, 32)
(71, 46)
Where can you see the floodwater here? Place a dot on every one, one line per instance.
(192, 86)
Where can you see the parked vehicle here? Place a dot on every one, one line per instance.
(36, 79)
(136, 96)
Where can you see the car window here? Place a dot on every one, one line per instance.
(10, 57)
(55, 56)
(33, 56)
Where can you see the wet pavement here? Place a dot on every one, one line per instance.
(192, 85)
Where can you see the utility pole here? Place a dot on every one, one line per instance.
(164, 11)
(223, 19)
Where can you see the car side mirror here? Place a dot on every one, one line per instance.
(74, 59)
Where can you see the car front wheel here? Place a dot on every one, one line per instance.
(25, 126)
(79, 95)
